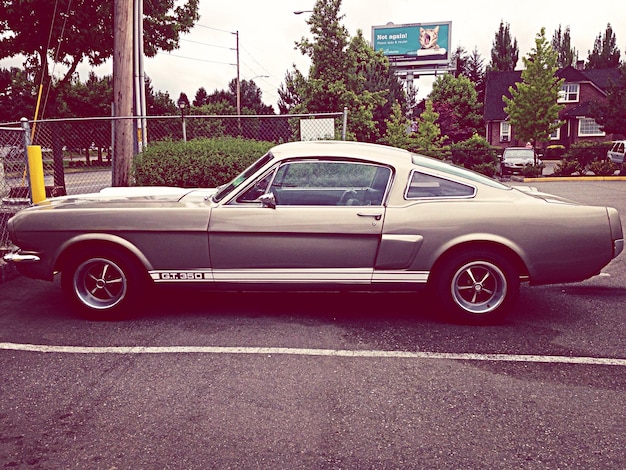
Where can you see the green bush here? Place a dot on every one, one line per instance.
(586, 153)
(603, 168)
(201, 163)
(567, 167)
(533, 171)
(475, 154)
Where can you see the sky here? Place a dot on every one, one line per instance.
(268, 31)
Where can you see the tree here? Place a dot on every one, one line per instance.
(288, 98)
(504, 51)
(474, 69)
(183, 100)
(397, 129)
(71, 31)
(159, 103)
(251, 97)
(89, 99)
(605, 54)
(428, 136)
(372, 73)
(460, 57)
(17, 95)
(562, 44)
(533, 109)
(611, 114)
(455, 100)
(344, 72)
(201, 97)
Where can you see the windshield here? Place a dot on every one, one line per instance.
(454, 170)
(223, 190)
(519, 153)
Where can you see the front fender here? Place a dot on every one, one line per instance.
(94, 238)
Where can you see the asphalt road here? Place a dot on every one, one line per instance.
(329, 381)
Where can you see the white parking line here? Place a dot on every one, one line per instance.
(41, 348)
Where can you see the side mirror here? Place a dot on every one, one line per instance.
(268, 200)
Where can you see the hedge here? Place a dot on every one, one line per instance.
(200, 163)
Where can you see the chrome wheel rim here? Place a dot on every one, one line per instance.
(99, 283)
(479, 287)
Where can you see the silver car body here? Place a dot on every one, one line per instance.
(616, 152)
(273, 227)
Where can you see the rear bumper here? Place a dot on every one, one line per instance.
(616, 231)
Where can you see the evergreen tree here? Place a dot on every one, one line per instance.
(533, 110)
(562, 44)
(474, 69)
(605, 54)
(504, 51)
(611, 114)
(201, 97)
(460, 58)
(397, 129)
(428, 136)
(288, 98)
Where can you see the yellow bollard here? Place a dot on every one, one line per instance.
(35, 168)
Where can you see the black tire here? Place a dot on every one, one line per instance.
(102, 283)
(477, 287)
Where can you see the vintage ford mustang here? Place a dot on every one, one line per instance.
(328, 215)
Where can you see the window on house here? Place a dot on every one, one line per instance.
(505, 132)
(569, 93)
(588, 127)
(556, 135)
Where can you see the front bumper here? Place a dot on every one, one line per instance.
(18, 257)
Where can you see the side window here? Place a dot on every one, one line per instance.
(257, 189)
(423, 185)
(330, 183)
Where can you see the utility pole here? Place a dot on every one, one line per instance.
(238, 81)
(123, 91)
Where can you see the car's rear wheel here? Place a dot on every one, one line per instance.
(477, 286)
(101, 283)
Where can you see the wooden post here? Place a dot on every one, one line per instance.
(123, 91)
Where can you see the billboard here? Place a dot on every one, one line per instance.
(414, 44)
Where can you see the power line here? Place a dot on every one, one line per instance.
(205, 44)
(214, 29)
(193, 58)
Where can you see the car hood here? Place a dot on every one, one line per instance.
(140, 195)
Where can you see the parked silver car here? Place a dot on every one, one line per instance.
(514, 159)
(616, 152)
(328, 215)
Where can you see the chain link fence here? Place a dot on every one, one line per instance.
(78, 153)
(13, 160)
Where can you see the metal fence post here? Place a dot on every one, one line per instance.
(26, 130)
(345, 123)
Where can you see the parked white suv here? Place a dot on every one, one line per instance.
(616, 154)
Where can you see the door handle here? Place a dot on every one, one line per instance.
(374, 216)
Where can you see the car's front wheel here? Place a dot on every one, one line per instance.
(101, 283)
(477, 286)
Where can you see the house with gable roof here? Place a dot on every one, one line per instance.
(579, 90)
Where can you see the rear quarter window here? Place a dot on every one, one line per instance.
(425, 186)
